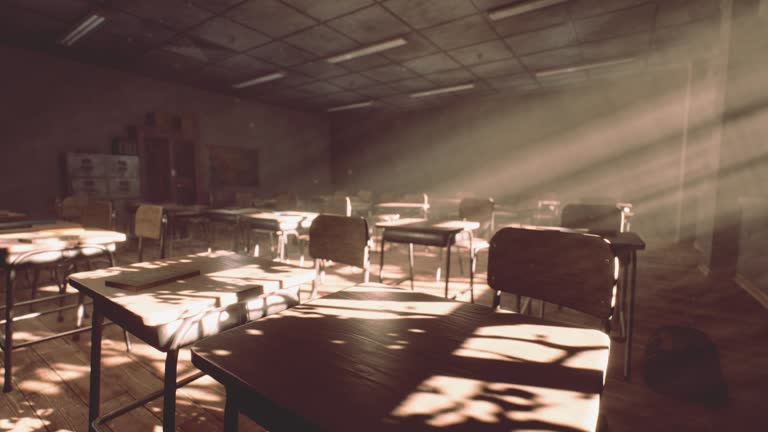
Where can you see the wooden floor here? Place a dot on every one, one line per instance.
(51, 378)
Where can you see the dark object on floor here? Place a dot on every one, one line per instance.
(683, 363)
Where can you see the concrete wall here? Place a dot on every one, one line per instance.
(619, 140)
(49, 106)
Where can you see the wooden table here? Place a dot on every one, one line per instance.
(422, 232)
(280, 223)
(392, 206)
(371, 358)
(40, 245)
(11, 216)
(230, 290)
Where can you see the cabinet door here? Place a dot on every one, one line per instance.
(96, 188)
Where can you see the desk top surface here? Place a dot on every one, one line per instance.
(622, 240)
(53, 237)
(11, 216)
(423, 225)
(412, 205)
(224, 278)
(386, 359)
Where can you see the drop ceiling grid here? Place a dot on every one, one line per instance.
(217, 75)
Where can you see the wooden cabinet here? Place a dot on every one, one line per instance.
(102, 176)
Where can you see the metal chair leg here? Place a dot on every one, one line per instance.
(410, 262)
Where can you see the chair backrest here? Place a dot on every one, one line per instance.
(339, 238)
(149, 222)
(571, 269)
(71, 207)
(337, 206)
(477, 210)
(98, 214)
(597, 218)
(286, 201)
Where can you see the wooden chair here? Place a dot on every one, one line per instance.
(286, 201)
(70, 208)
(596, 218)
(571, 269)
(477, 210)
(337, 205)
(339, 239)
(98, 214)
(150, 222)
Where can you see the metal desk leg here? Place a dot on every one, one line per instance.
(169, 391)
(447, 267)
(8, 339)
(230, 413)
(94, 399)
(630, 317)
(381, 258)
(410, 262)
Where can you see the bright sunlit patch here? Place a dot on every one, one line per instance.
(254, 332)
(221, 352)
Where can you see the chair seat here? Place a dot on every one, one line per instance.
(478, 244)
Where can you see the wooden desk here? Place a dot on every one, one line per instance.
(231, 290)
(42, 245)
(375, 359)
(280, 223)
(392, 206)
(11, 216)
(422, 232)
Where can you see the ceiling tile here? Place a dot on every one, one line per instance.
(17, 25)
(109, 48)
(481, 53)
(178, 14)
(554, 58)
(229, 34)
(531, 21)
(412, 85)
(521, 81)
(343, 98)
(503, 67)
(417, 46)
(542, 40)
(165, 61)
(280, 53)
(320, 69)
(451, 77)
(366, 62)
(142, 30)
(586, 8)
(369, 25)
(319, 88)
(198, 49)
(389, 73)
(246, 64)
(677, 12)
(618, 70)
(563, 79)
(215, 5)
(485, 5)
(377, 91)
(66, 10)
(270, 17)
(625, 46)
(295, 79)
(460, 33)
(431, 63)
(634, 20)
(427, 13)
(326, 10)
(352, 81)
(322, 41)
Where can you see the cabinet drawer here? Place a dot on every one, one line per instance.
(124, 188)
(124, 166)
(89, 187)
(86, 165)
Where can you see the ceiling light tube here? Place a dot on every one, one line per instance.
(443, 90)
(521, 8)
(85, 27)
(351, 106)
(371, 49)
(582, 67)
(260, 80)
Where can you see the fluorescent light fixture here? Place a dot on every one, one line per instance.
(371, 49)
(86, 26)
(351, 106)
(582, 67)
(260, 80)
(521, 8)
(442, 90)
